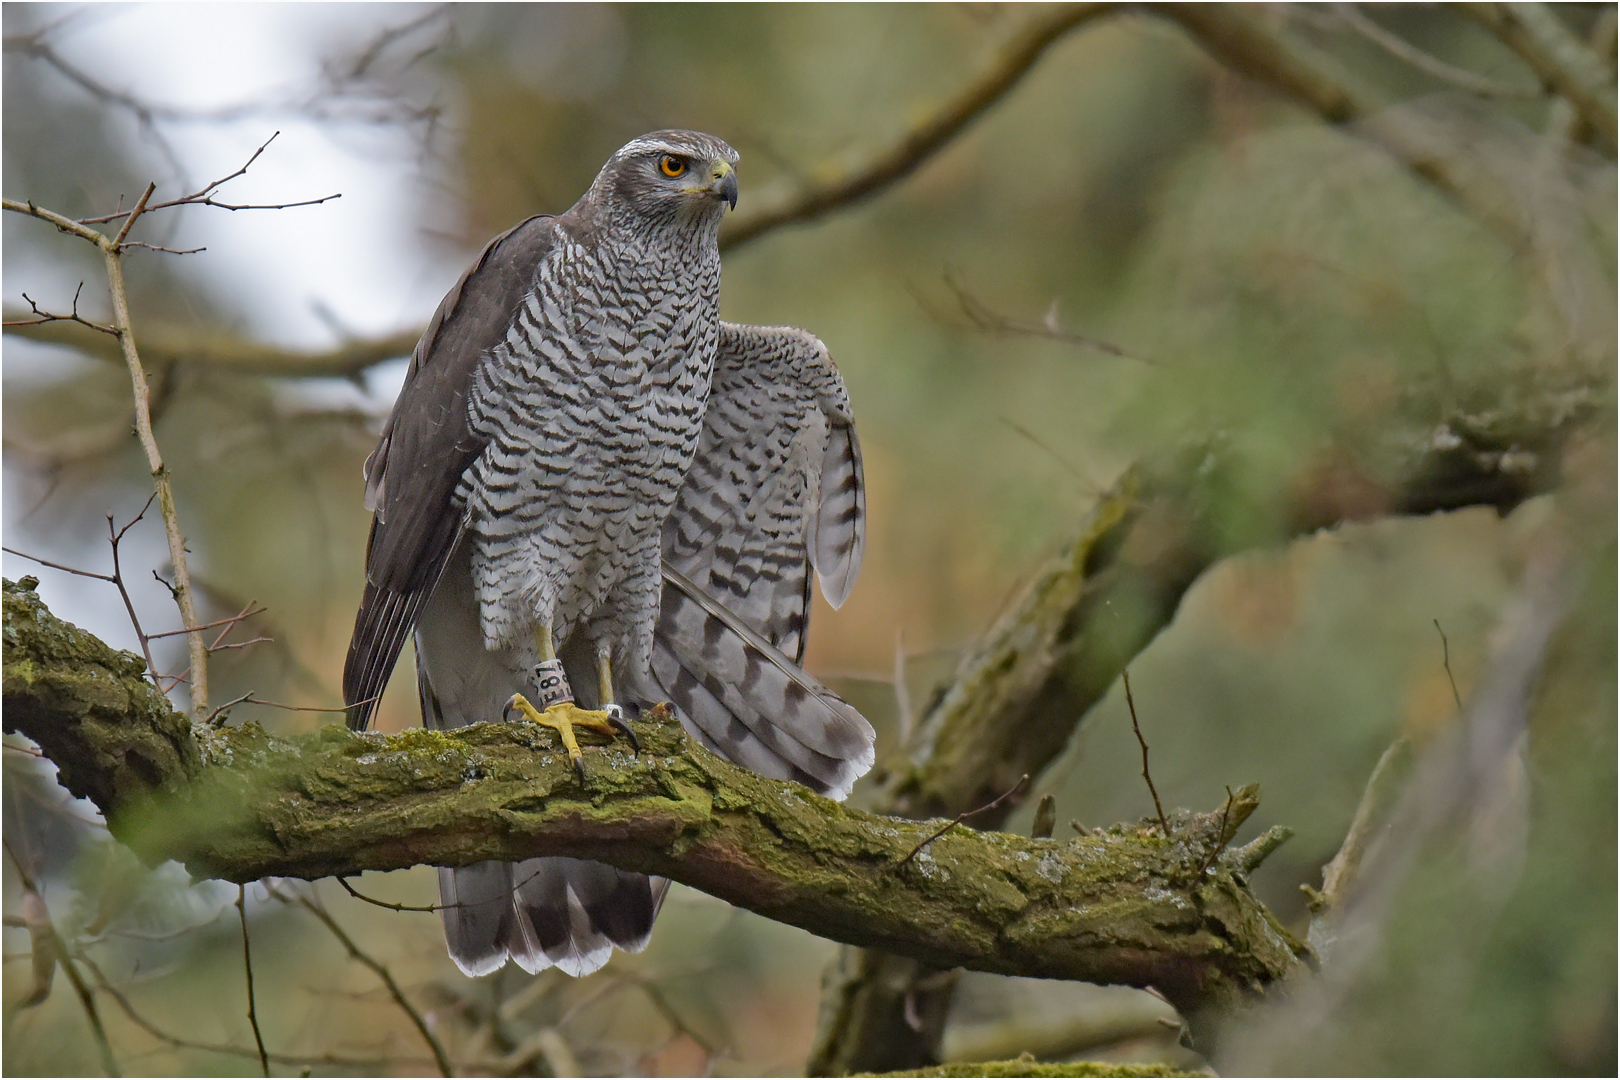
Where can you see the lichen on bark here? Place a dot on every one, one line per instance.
(1128, 905)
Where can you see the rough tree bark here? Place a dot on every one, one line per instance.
(1018, 696)
(1128, 906)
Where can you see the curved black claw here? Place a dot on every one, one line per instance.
(615, 716)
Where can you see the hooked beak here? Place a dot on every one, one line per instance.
(724, 184)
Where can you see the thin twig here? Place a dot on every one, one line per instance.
(357, 953)
(217, 717)
(1445, 660)
(959, 818)
(362, 63)
(358, 895)
(109, 1064)
(1400, 48)
(986, 318)
(116, 578)
(55, 565)
(114, 538)
(129, 222)
(1560, 59)
(65, 224)
(661, 1002)
(112, 254)
(230, 621)
(203, 196)
(1158, 807)
(175, 1041)
(1219, 845)
(1091, 487)
(249, 699)
(160, 472)
(1372, 814)
(41, 317)
(217, 647)
(247, 966)
(160, 247)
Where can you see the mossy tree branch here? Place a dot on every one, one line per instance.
(1018, 696)
(238, 804)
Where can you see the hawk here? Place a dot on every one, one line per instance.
(593, 493)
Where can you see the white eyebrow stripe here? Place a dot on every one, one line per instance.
(644, 145)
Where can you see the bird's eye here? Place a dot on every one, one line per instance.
(670, 165)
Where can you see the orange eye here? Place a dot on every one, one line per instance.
(670, 165)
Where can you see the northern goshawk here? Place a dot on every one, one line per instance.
(575, 416)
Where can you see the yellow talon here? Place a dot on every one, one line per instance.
(564, 717)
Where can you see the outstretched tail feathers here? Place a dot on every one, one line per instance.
(554, 912)
(744, 699)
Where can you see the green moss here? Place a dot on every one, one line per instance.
(1030, 1067)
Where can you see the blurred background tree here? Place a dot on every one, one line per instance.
(1288, 228)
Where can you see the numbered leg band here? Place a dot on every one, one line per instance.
(551, 684)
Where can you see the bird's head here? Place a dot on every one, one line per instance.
(680, 178)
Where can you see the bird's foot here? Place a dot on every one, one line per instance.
(565, 718)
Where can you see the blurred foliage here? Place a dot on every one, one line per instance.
(1275, 279)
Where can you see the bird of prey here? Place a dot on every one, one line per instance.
(592, 493)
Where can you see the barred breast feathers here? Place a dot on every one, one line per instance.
(417, 520)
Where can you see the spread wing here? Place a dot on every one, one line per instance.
(425, 447)
(774, 492)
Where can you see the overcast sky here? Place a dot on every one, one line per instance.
(360, 257)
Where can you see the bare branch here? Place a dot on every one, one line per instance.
(160, 472)
(114, 538)
(57, 566)
(66, 224)
(159, 247)
(227, 622)
(1243, 39)
(146, 115)
(1559, 59)
(42, 317)
(983, 317)
(1445, 660)
(338, 1060)
(41, 924)
(1371, 816)
(363, 63)
(1158, 807)
(203, 196)
(164, 345)
(130, 218)
(894, 163)
(1399, 47)
(315, 908)
(959, 818)
(358, 895)
(112, 255)
(247, 966)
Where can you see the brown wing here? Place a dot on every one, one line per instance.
(425, 447)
